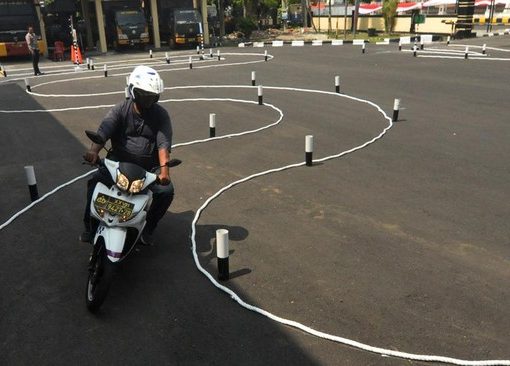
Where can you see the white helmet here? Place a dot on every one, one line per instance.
(145, 86)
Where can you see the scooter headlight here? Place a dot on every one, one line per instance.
(122, 181)
(136, 186)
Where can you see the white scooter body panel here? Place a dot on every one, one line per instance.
(114, 239)
(111, 229)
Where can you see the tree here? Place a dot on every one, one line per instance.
(389, 11)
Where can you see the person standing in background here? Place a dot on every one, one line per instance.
(31, 40)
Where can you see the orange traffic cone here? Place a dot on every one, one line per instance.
(76, 54)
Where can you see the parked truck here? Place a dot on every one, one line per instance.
(180, 23)
(15, 17)
(126, 24)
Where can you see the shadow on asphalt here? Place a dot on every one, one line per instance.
(160, 309)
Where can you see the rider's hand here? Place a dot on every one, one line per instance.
(164, 179)
(91, 157)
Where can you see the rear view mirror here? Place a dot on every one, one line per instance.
(94, 137)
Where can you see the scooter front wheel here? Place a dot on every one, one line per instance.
(101, 271)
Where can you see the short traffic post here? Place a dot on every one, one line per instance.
(212, 124)
(167, 58)
(309, 150)
(32, 183)
(222, 254)
(150, 53)
(400, 45)
(337, 84)
(190, 63)
(414, 50)
(253, 78)
(259, 92)
(210, 53)
(92, 64)
(27, 85)
(126, 92)
(105, 71)
(422, 43)
(218, 54)
(265, 55)
(396, 107)
(127, 80)
(363, 48)
(88, 63)
(198, 50)
(448, 40)
(466, 53)
(484, 49)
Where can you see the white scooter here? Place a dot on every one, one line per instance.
(121, 211)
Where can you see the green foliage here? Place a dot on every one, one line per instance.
(246, 26)
(389, 11)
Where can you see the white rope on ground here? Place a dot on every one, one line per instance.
(14, 217)
(235, 297)
(304, 328)
(154, 64)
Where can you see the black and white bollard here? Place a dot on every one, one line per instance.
(32, 183)
(259, 92)
(92, 64)
(212, 124)
(414, 50)
(218, 54)
(484, 49)
(363, 48)
(309, 150)
(88, 63)
(126, 92)
(253, 78)
(105, 71)
(27, 85)
(222, 254)
(400, 45)
(337, 84)
(466, 53)
(396, 107)
(265, 55)
(422, 44)
(150, 53)
(198, 50)
(210, 53)
(448, 40)
(190, 63)
(167, 58)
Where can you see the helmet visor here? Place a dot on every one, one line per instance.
(144, 98)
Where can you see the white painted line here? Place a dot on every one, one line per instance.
(258, 44)
(337, 42)
(297, 43)
(277, 43)
(358, 42)
(317, 42)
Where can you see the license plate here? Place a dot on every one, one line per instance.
(113, 205)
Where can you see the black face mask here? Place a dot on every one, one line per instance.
(145, 99)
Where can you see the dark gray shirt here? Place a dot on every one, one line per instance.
(137, 138)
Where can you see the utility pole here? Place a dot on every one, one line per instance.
(304, 13)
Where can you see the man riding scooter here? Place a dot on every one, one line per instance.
(140, 131)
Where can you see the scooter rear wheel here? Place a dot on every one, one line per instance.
(101, 271)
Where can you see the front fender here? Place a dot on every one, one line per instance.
(114, 239)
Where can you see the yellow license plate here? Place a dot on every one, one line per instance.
(113, 205)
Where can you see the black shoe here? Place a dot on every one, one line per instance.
(147, 239)
(86, 237)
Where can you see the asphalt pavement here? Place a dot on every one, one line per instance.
(403, 244)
